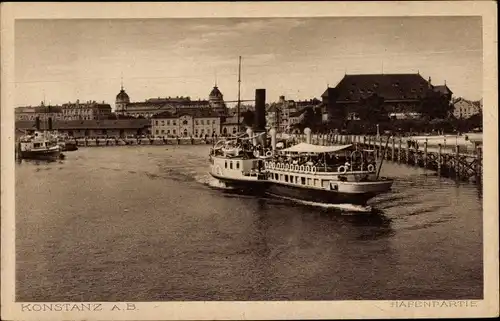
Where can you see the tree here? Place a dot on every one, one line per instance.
(372, 109)
(309, 118)
(435, 105)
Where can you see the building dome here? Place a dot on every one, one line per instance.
(215, 93)
(122, 96)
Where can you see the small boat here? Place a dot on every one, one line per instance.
(40, 145)
(236, 163)
(326, 174)
(66, 143)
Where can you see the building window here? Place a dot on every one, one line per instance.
(162, 123)
(157, 132)
(173, 131)
(163, 131)
(168, 131)
(234, 130)
(201, 122)
(196, 122)
(168, 122)
(156, 123)
(213, 121)
(185, 122)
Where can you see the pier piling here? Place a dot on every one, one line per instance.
(425, 153)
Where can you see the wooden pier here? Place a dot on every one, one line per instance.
(461, 162)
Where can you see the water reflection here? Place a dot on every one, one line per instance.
(37, 162)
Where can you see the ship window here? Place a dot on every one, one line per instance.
(303, 180)
(37, 145)
(316, 182)
(237, 165)
(230, 165)
(276, 177)
(225, 164)
(286, 178)
(309, 181)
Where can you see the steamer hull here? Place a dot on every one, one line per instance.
(336, 193)
(48, 154)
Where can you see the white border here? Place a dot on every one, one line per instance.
(257, 310)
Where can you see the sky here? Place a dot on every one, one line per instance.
(66, 60)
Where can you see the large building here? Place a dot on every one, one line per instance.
(90, 110)
(193, 123)
(402, 93)
(283, 114)
(186, 123)
(463, 108)
(153, 106)
(91, 128)
(43, 112)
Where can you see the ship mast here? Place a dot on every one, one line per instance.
(239, 93)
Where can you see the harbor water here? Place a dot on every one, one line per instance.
(145, 223)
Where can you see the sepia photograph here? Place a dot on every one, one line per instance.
(249, 158)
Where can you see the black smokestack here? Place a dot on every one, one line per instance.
(260, 110)
(50, 123)
(37, 123)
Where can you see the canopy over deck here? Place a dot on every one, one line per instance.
(318, 149)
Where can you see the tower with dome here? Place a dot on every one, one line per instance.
(121, 102)
(216, 100)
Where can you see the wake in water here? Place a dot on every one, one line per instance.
(206, 179)
(347, 209)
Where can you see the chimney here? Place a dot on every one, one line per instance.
(260, 110)
(430, 82)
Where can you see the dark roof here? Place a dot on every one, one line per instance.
(194, 112)
(388, 86)
(443, 89)
(165, 114)
(39, 109)
(122, 95)
(88, 124)
(215, 92)
(168, 104)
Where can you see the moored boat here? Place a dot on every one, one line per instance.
(326, 174)
(38, 146)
